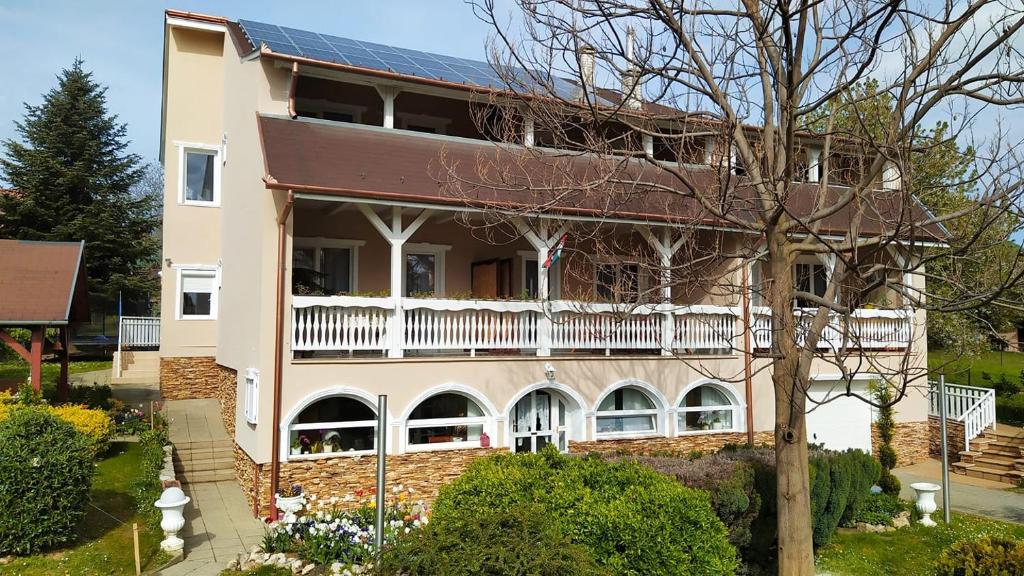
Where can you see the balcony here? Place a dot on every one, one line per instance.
(333, 326)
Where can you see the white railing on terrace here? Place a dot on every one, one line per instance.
(868, 329)
(352, 323)
(139, 332)
(974, 408)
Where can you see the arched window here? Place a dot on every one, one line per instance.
(627, 411)
(446, 420)
(707, 408)
(339, 424)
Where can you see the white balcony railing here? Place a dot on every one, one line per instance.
(393, 327)
(139, 331)
(867, 329)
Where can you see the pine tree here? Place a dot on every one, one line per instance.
(74, 180)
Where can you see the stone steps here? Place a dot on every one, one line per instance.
(986, 473)
(201, 476)
(994, 455)
(205, 460)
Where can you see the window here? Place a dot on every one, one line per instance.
(197, 294)
(811, 278)
(626, 411)
(446, 420)
(617, 282)
(339, 424)
(528, 261)
(324, 266)
(707, 407)
(424, 269)
(252, 395)
(199, 177)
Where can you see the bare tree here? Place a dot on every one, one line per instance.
(729, 127)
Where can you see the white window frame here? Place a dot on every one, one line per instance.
(485, 422)
(319, 106)
(642, 283)
(292, 427)
(318, 244)
(554, 274)
(654, 413)
(810, 260)
(736, 408)
(213, 272)
(438, 123)
(252, 395)
(438, 251)
(217, 152)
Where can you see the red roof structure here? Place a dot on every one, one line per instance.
(42, 285)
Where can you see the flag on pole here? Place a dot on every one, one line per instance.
(555, 253)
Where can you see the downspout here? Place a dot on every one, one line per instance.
(291, 90)
(275, 452)
(748, 386)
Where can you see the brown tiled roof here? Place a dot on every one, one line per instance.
(362, 161)
(42, 282)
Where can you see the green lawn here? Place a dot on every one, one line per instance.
(15, 372)
(105, 544)
(908, 552)
(991, 363)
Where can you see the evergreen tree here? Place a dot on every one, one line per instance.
(74, 180)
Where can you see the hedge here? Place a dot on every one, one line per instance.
(632, 520)
(1010, 409)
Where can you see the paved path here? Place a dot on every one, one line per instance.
(219, 520)
(971, 495)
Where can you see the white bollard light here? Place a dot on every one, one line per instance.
(172, 506)
(926, 501)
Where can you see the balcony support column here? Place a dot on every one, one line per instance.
(388, 95)
(542, 240)
(666, 249)
(396, 235)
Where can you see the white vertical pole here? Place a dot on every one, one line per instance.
(543, 293)
(945, 448)
(528, 139)
(388, 94)
(668, 328)
(382, 439)
(813, 161)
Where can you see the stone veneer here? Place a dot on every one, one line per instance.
(954, 438)
(184, 378)
(426, 472)
(910, 440)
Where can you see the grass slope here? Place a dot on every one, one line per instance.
(991, 363)
(104, 541)
(15, 372)
(908, 552)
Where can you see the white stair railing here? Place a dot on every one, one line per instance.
(135, 332)
(973, 407)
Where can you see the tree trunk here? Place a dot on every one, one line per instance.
(790, 377)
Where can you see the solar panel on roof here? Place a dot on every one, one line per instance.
(328, 48)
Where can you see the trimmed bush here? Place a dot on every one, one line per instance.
(880, 509)
(522, 541)
(1010, 409)
(95, 424)
(46, 470)
(633, 520)
(147, 487)
(988, 556)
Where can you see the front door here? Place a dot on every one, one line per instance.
(538, 419)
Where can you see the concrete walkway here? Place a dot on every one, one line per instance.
(219, 521)
(966, 494)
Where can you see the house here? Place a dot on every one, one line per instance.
(312, 261)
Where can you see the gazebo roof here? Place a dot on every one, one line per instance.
(42, 283)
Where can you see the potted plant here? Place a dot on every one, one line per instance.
(290, 500)
(332, 442)
(296, 447)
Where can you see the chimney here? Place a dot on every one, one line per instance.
(585, 55)
(630, 76)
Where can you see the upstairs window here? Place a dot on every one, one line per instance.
(197, 294)
(199, 179)
(324, 266)
(811, 278)
(617, 282)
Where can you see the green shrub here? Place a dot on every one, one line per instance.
(147, 487)
(851, 474)
(631, 519)
(46, 470)
(889, 483)
(988, 556)
(523, 541)
(1010, 409)
(880, 509)
(887, 456)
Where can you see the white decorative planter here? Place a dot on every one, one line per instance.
(296, 451)
(290, 504)
(172, 505)
(926, 501)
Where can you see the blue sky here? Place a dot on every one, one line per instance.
(122, 44)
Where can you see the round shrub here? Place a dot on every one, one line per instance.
(989, 555)
(519, 542)
(46, 471)
(632, 520)
(887, 456)
(889, 483)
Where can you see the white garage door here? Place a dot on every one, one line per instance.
(842, 423)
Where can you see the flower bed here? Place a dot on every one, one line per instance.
(337, 533)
